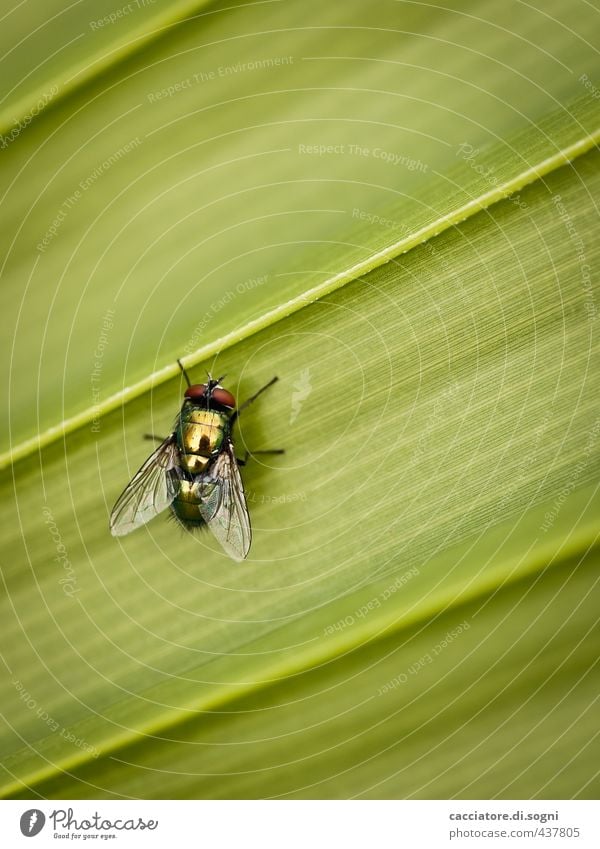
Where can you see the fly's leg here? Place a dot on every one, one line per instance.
(243, 406)
(243, 461)
(252, 398)
(154, 437)
(184, 372)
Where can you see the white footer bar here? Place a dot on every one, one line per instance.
(298, 824)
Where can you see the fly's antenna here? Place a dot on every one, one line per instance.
(209, 389)
(184, 372)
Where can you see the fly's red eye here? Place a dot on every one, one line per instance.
(223, 397)
(196, 391)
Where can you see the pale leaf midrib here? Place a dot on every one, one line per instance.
(560, 159)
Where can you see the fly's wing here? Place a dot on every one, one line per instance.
(150, 491)
(223, 505)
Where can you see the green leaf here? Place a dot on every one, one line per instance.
(417, 617)
(205, 204)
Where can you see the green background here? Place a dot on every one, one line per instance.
(418, 614)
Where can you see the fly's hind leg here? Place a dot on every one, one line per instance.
(244, 459)
(154, 437)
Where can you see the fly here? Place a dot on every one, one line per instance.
(194, 472)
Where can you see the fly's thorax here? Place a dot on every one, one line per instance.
(200, 436)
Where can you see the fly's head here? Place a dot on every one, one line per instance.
(211, 393)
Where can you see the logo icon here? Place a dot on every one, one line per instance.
(32, 822)
(303, 388)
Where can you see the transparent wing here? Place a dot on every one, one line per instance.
(223, 505)
(150, 491)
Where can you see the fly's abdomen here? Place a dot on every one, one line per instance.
(185, 506)
(200, 436)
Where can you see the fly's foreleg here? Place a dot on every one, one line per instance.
(252, 399)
